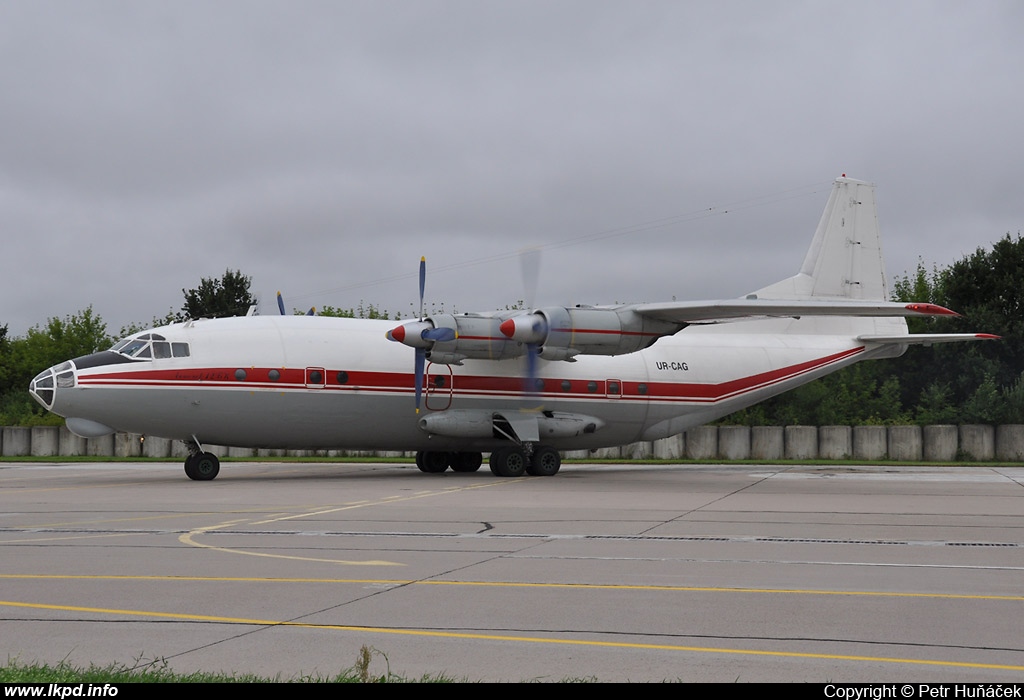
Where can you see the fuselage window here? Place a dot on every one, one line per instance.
(274, 375)
(566, 385)
(240, 375)
(592, 387)
(342, 377)
(179, 349)
(161, 349)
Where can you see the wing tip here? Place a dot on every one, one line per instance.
(931, 309)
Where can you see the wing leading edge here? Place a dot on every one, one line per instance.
(697, 312)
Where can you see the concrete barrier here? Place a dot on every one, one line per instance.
(905, 443)
(156, 448)
(45, 440)
(670, 447)
(801, 442)
(734, 442)
(978, 442)
(934, 443)
(608, 453)
(638, 450)
(1010, 442)
(767, 442)
(69, 444)
(870, 442)
(940, 443)
(17, 442)
(835, 442)
(127, 445)
(702, 442)
(100, 447)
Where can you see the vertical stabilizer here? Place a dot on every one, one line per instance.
(845, 258)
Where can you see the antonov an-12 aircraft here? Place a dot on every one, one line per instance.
(521, 385)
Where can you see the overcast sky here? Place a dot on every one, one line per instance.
(649, 150)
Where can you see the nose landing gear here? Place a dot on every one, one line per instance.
(199, 465)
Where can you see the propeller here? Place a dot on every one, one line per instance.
(421, 336)
(280, 306)
(530, 329)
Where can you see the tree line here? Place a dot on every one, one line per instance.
(961, 383)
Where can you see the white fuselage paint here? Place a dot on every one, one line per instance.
(695, 376)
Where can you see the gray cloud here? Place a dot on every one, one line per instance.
(322, 147)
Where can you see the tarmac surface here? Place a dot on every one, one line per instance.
(604, 572)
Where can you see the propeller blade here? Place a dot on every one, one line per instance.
(530, 382)
(423, 282)
(280, 303)
(312, 311)
(439, 335)
(529, 263)
(421, 358)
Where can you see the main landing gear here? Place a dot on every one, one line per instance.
(199, 465)
(437, 462)
(505, 461)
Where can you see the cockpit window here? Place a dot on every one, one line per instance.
(149, 346)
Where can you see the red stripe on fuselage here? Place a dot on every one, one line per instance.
(463, 385)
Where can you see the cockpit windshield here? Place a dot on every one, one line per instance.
(149, 346)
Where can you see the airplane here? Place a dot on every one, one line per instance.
(522, 385)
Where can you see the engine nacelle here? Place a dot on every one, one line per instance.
(565, 332)
(560, 333)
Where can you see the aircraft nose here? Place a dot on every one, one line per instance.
(44, 387)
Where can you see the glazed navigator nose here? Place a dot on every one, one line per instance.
(45, 385)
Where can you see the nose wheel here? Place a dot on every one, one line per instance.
(200, 465)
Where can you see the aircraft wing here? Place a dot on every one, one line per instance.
(925, 338)
(697, 312)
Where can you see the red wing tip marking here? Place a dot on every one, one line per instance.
(987, 336)
(931, 309)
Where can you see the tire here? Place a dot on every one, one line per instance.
(545, 462)
(202, 467)
(432, 462)
(465, 462)
(508, 461)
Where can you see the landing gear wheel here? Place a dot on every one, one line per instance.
(432, 462)
(202, 467)
(508, 461)
(465, 461)
(545, 462)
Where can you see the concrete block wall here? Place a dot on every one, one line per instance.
(933, 443)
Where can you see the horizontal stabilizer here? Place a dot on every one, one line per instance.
(925, 338)
(739, 309)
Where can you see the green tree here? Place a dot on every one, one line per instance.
(60, 339)
(362, 311)
(946, 383)
(213, 298)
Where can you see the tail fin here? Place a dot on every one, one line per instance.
(845, 258)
